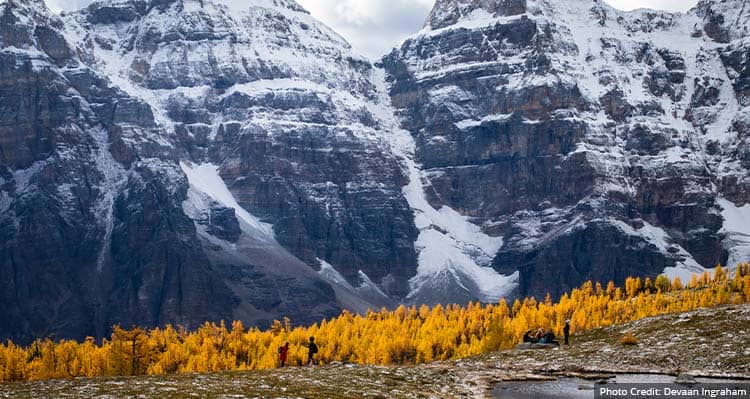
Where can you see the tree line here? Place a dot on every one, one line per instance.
(406, 335)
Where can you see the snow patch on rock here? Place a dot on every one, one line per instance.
(330, 274)
(684, 268)
(23, 177)
(367, 285)
(737, 230)
(114, 179)
(205, 179)
(448, 243)
(367, 289)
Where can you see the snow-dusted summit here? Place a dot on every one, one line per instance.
(182, 161)
(176, 161)
(597, 143)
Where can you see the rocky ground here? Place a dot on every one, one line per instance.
(706, 342)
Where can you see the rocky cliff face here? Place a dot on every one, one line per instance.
(183, 161)
(176, 161)
(597, 143)
(280, 104)
(93, 231)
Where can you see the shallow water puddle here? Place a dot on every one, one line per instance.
(578, 388)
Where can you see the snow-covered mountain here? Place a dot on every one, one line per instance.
(281, 105)
(598, 143)
(175, 161)
(182, 161)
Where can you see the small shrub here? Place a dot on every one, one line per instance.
(629, 339)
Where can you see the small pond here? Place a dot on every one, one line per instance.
(577, 388)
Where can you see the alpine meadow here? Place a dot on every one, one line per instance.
(226, 198)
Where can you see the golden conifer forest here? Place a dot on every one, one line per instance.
(406, 335)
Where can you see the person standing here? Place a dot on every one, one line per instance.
(312, 349)
(566, 331)
(283, 351)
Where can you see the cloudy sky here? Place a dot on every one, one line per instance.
(374, 26)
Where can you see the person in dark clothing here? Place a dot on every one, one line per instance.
(527, 337)
(566, 331)
(549, 339)
(283, 351)
(312, 349)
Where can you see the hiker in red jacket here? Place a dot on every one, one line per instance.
(283, 351)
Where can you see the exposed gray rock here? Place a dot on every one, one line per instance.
(737, 61)
(94, 227)
(169, 161)
(569, 137)
(446, 13)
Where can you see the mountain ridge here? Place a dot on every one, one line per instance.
(181, 161)
(587, 94)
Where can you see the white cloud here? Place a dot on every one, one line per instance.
(671, 5)
(375, 26)
(67, 5)
(372, 26)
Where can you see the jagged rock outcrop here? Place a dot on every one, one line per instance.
(279, 102)
(597, 143)
(86, 240)
(142, 144)
(176, 161)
